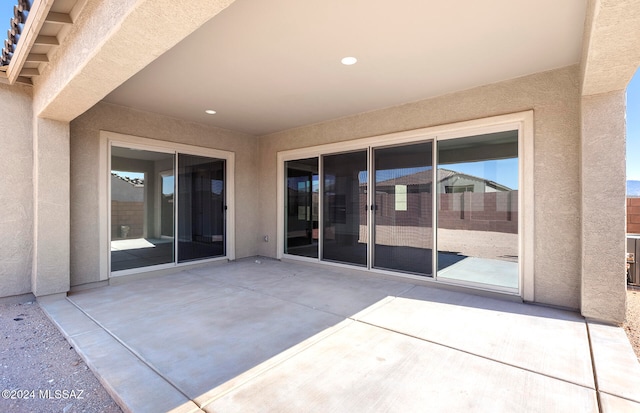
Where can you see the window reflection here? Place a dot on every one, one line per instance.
(345, 215)
(201, 213)
(478, 209)
(141, 208)
(403, 230)
(302, 207)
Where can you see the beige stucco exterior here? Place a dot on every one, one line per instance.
(51, 206)
(86, 176)
(554, 98)
(603, 190)
(16, 190)
(53, 161)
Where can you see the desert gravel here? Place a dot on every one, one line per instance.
(632, 324)
(41, 372)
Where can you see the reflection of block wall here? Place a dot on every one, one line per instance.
(633, 215)
(471, 211)
(478, 211)
(130, 214)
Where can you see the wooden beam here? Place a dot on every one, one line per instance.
(60, 18)
(35, 20)
(24, 80)
(30, 72)
(38, 58)
(47, 41)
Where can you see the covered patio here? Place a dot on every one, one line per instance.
(266, 335)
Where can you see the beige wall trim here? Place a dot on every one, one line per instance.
(104, 209)
(521, 121)
(107, 139)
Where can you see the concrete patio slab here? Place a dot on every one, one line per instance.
(133, 384)
(616, 366)
(483, 271)
(613, 404)
(301, 284)
(142, 299)
(263, 335)
(342, 293)
(362, 368)
(66, 316)
(548, 341)
(219, 338)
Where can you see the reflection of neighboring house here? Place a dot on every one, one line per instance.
(455, 182)
(125, 189)
(466, 202)
(450, 181)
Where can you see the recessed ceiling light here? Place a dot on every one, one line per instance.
(349, 60)
(210, 112)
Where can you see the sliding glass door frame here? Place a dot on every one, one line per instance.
(521, 122)
(108, 140)
(525, 194)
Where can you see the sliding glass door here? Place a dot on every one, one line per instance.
(478, 209)
(302, 208)
(345, 230)
(145, 213)
(402, 213)
(444, 208)
(142, 214)
(201, 202)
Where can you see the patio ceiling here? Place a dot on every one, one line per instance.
(273, 65)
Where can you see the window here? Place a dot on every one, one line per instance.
(443, 205)
(167, 207)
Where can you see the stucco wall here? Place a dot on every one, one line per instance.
(85, 134)
(603, 193)
(554, 97)
(16, 190)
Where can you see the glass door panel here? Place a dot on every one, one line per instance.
(403, 227)
(301, 207)
(141, 208)
(345, 227)
(201, 207)
(478, 209)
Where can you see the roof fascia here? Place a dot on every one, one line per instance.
(37, 16)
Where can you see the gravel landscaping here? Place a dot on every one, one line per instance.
(41, 372)
(632, 324)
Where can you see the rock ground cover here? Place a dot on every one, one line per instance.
(632, 324)
(41, 372)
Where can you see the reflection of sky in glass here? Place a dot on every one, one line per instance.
(217, 186)
(167, 185)
(130, 175)
(633, 128)
(503, 171)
